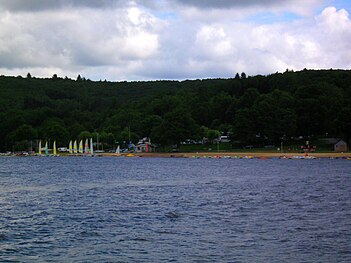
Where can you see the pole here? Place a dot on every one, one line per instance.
(281, 147)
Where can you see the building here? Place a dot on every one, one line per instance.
(145, 146)
(224, 139)
(340, 146)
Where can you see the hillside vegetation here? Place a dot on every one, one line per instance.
(257, 110)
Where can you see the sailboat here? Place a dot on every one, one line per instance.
(46, 149)
(91, 147)
(39, 150)
(118, 150)
(75, 149)
(80, 150)
(54, 149)
(86, 147)
(70, 149)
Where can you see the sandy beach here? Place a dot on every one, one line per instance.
(233, 155)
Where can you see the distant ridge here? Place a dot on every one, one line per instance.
(255, 110)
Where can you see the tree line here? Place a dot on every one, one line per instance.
(256, 110)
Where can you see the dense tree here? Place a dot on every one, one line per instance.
(275, 116)
(85, 135)
(255, 109)
(218, 106)
(25, 132)
(177, 126)
(249, 98)
(213, 134)
(148, 124)
(54, 129)
(343, 124)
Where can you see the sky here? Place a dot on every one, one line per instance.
(128, 40)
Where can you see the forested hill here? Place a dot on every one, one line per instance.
(256, 110)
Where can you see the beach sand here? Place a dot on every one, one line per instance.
(234, 154)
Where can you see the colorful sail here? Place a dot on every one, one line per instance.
(54, 148)
(39, 150)
(75, 148)
(80, 150)
(86, 147)
(91, 146)
(70, 149)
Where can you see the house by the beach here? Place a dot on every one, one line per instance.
(340, 146)
(145, 146)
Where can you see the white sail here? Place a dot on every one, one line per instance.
(39, 150)
(118, 150)
(46, 149)
(91, 146)
(80, 150)
(70, 148)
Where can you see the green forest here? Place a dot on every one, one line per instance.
(251, 110)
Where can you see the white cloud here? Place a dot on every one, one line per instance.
(222, 49)
(77, 39)
(334, 20)
(137, 41)
(333, 32)
(213, 42)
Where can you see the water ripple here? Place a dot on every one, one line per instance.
(174, 210)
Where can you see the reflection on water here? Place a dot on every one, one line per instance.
(174, 210)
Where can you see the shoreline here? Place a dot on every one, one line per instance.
(232, 155)
(249, 155)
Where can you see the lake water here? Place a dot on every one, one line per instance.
(174, 210)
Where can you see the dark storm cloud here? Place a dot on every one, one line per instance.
(229, 3)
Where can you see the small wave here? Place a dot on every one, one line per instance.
(89, 234)
(3, 237)
(166, 232)
(124, 211)
(172, 215)
(137, 239)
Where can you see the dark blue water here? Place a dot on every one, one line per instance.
(174, 210)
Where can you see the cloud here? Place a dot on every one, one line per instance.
(232, 3)
(39, 5)
(334, 34)
(300, 7)
(137, 40)
(221, 49)
(80, 38)
(43, 5)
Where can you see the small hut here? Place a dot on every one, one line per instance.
(145, 146)
(340, 146)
